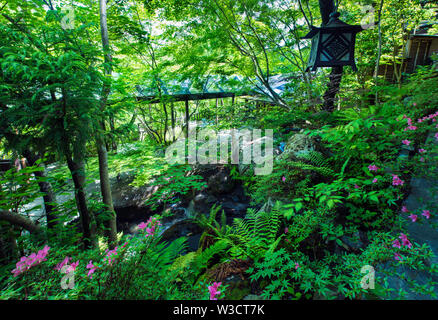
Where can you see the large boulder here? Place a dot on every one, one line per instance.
(299, 144)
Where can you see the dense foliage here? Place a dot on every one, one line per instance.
(75, 101)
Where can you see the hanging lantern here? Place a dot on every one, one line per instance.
(332, 44)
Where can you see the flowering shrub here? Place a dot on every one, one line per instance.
(32, 260)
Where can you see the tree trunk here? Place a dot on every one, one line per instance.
(333, 86)
(105, 187)
(77, 169)
(21, 221)
(327, 7)
(113, 140)
(46, 188)
(172, 119)
(187, 119)
(379, 51)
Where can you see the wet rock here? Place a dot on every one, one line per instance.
(354, 243)
(184, 228)
(221, 182)
(299, 144)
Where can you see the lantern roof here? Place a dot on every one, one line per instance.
(334, 24)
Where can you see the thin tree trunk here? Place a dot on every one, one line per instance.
(46, 188)
(105, 187)
(113, 140)
(379, 50)
(187, 118)
(172, 119)
(77, 169)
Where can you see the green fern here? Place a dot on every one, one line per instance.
(254, 235)
(316, 162)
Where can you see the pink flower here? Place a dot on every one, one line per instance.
(405, 240)
(283, 179)
(436, 135)
(110, 256)
(404, 209)
(373, 167)
(396, 244)
(142, 225)
(406, 142)
(356, 186)
(403, 236)
(421, 150)
(297, 265)
(72, 267)
(62, 263)
(396, 181)
(213, 290)
(150, 226)
(421, 159)
(286, 230)
(92, 269)
(375, 180)
(413, 217)
(426, 213)
(25, 263)
(397, 256)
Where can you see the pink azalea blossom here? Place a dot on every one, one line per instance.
(397, 256)
(375, 180)
(413, 217)
(213, 289)
(72, 267)
(406, 142)
(373, 167)
(396, 181)
(25, 263)
(421, 150)
(426, 213)
(92, 269)
(142, 225)
(405, 241)
(286, 230)
(297, 265)
(150, 226)
(396, 244)
(283, 179)
(110, 256)
(404, 209)
(356, 186)
(62, 263)
(403, 236)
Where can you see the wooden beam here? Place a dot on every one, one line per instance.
(188, 97)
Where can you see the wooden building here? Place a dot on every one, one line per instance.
(420, 48)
